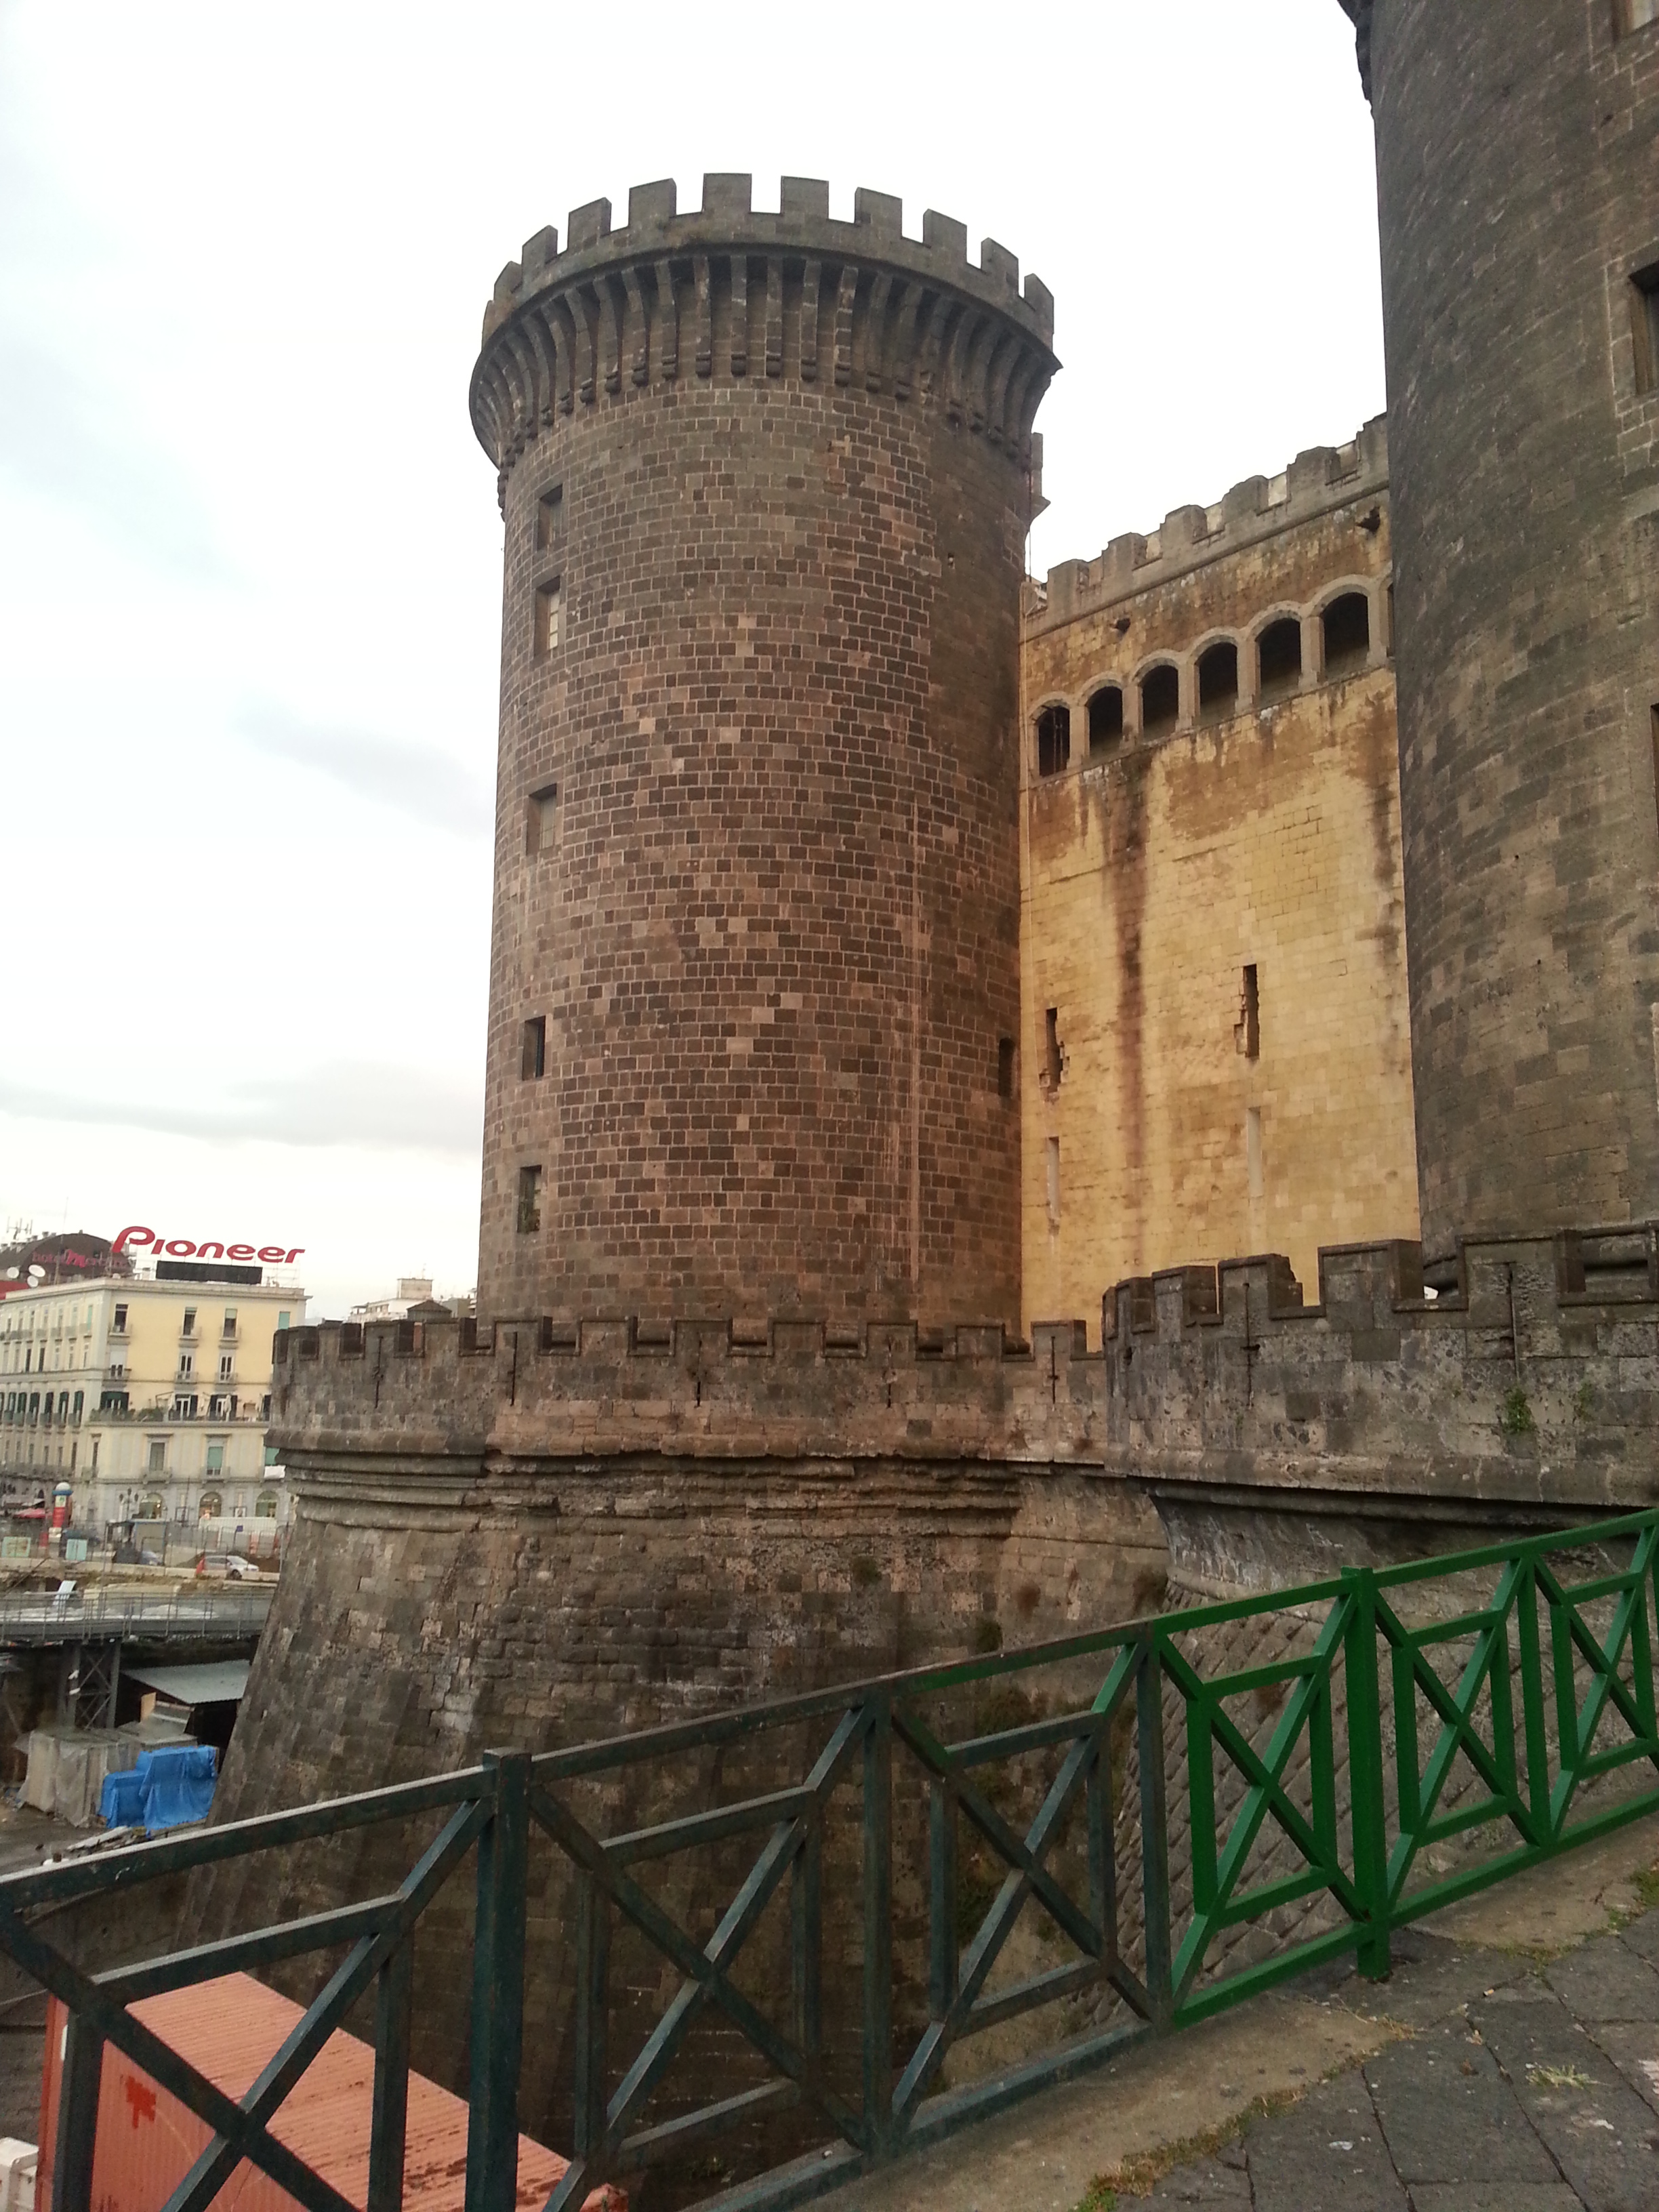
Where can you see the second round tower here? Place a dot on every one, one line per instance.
(754, 987)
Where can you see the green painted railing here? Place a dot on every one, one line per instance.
(1487, 1692)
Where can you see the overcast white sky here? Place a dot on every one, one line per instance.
(250, 552)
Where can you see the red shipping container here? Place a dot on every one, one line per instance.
(229, 2029)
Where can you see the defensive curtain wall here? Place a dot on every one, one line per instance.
(1216, 1026)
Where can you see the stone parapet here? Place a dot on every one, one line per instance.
(1317, 482)
(731, 293)
(1533, 1384)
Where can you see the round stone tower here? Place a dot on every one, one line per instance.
(1518, 186)
(754, 985)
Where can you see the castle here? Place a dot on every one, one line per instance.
(755, 1399)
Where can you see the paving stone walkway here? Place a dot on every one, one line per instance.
(1526, 2087)
(1510, 2064)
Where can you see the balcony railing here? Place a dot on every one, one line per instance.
(104, 1616)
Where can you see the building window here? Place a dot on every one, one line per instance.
(215, 1456)
(550, 519)
(1247, 1031)
(264, 1506)
(157, 1461)
(548, 618)
(118, 1325)
(1644, 322)
(113, 1401)
(1346, 627)
(1054, 1052)
(229, 1329)
(1053, 1165)
(533, 1062)
(151, 1509)
(78, 1407)
(1054, 739)
(187, 1365)
(1279, 660)
(1160, 700)
(530, 1200)
(1004, 1067)
(211, 1507)
(1218, 681)
(541, 819)
(226, 1366)
(1106, 719)
(184, 1405)
(189, 1328)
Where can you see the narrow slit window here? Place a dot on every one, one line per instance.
(1644, 319)
(549, 618)
(541, 819)
(1004, 1067)
(1253, 1150)
(1246, 1031)
(1346, 625)
(532, 1064)
(1218, 681)
(550, 519)
(1054, 1182)
(530, 1200)
(1653, 716)
(1160, 700)
(1053, 740)
(1054, 1062)
(1106, 719)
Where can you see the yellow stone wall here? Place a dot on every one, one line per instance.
(1156, 871)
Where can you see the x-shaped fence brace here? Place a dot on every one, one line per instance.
(494, 1807)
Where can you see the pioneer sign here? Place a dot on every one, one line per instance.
(181, 1247)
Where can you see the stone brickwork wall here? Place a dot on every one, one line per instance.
(1534, 1384)
(1518, 190)
(766, 481)
(1253, 846)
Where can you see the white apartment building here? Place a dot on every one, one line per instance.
(150, 1398)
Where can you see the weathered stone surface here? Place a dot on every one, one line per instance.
(777, 471)
(1214, 909)
(1517, 181)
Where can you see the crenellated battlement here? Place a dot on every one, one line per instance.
(729, 292)
(1534, 1378)
(1317, 482)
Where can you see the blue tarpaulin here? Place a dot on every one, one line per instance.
(168, 1787)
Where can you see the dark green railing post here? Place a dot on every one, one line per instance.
(806, 1943)
(498, 1943)
(77, 2118)
(1370, 1840)
(878, 1926)
(1154, 1833)
(942, 1919)
(389, 2123)
(592, 2014)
